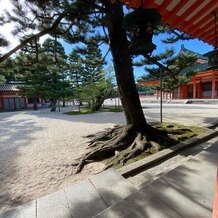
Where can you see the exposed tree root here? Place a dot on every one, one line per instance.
(138, 146)
(124, 143)
(103, 136)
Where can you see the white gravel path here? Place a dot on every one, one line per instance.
(37, 149)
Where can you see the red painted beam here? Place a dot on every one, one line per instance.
(196, 19)
(187, 12)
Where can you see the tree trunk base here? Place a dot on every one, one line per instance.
(122, 143)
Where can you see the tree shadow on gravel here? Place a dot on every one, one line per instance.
(15, 135)
(95, 118)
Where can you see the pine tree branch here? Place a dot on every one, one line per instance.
(46, 31)
(181, 36)
(96, 6)
(65, 31)
(153, 60)
(106, 54)
(33, 37)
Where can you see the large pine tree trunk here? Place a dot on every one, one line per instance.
(121, 142)
(124, 142)
(123, 66)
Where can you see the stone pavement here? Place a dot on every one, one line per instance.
(83, 199)
(187, 191)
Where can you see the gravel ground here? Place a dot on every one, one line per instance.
(37, 148)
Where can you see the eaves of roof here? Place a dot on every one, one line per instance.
(195, 17)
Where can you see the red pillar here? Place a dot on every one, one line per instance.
(184, 91)
(200, 89)
(213, 85)
(194, 88)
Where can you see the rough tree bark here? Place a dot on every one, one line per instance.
(137, 136)
(123, 66)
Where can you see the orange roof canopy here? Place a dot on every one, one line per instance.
(195, 17)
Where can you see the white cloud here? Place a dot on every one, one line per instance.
(8, 28)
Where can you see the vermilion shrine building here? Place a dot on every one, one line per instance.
(11, 98)
(199, 20)
(203, 85)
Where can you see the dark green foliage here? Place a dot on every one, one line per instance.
(3, 42)
(147, 90)
(175, 63)
(76, 68)
(54, 48)
(43, 70)
(8, 70)
(88, 76)
(86, 63)
(94, 62)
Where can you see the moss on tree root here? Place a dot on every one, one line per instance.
(120, 144)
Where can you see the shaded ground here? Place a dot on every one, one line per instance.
(36, 153)
(38, 148)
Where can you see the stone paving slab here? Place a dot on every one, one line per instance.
(187, 191)
(24, 211)
(138, 205)
(124, 207)
(84, 200)
(81, 200)
(154, 208)
(112, 186)
(53, 206)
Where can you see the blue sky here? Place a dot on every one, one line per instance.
(194, 45)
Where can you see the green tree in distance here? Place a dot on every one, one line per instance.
(58, 85)
(94, 93)
(88, 76)
(42, 68)
(32, 73)
(74, 20)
